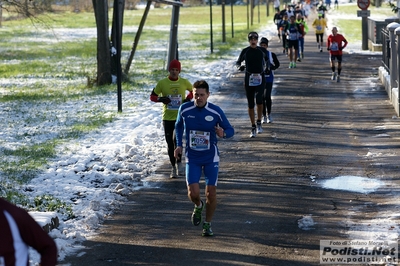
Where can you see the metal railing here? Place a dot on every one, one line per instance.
(391, 62)
(385, 49)
(390, 48)
(374, 29)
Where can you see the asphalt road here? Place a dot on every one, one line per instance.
(321, 129)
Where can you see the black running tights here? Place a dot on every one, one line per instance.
(169, 131)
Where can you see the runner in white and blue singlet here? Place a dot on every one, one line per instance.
(202, 122)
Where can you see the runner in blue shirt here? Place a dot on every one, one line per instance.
(202, 122)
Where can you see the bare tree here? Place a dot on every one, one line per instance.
(105, 62)
(103, 42)
(25, 8)
(106, 57)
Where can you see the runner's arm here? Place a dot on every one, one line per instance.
(153, 96)
(179, 127)
(189, 97)
(224, 123)
(276, 62)
(328, 43)
(34, 236)
(345, 43)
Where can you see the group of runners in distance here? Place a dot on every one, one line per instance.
(260, 63)
(292, 26)
(188, 118)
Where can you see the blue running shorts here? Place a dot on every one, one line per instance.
(194, 171)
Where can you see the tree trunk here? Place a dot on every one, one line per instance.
(1, 12)
(114, 30)
(103, 42)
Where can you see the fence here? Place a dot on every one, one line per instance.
(389, 71)
(385, 49)
(374, 29)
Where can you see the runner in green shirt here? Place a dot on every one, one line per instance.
(171, 91)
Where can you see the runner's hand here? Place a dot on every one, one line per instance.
(177, 152)
(219, 131)
(241, 68)
(164, 100)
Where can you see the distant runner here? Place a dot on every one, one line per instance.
(269, 82)
(257, 63)
(335, 44)
(320, 25)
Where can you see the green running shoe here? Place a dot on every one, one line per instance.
(207, 229)
(196, 216)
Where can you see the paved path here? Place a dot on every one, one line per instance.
(267, 185)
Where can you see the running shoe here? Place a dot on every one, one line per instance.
(174, 173)
(259, 128)
(196, 216)
(299, 59)
(269, 119)
(338, 78)
(253, 132)
(264, 120)
(333, 76)
(294, 65)
(291, 65)
(302, 55)
(207, 229)
(320, 50)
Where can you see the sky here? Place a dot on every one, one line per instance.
(97, 171)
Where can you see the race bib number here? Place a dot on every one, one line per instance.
(319, 27)
(199, 140)
(176, 101)
(255, 80)
(334, 46)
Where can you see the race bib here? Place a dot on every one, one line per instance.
(176, 101)
(319, 27)
(334, 46)
(293, 36)
(199, 140)
(255, 80)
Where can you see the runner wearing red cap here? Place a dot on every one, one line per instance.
(171, 91)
